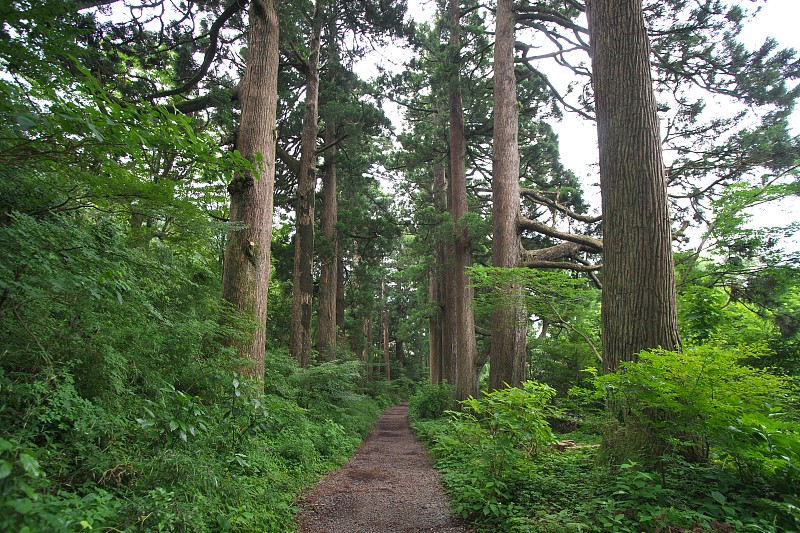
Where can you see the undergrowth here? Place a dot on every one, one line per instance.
(501, 475)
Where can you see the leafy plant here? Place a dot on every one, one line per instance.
(431, 401)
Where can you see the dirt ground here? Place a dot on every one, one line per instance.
(389, 485)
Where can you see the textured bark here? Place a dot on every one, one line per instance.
(465, 345)
(509, 319)
(302, 280)
(638, 302)
(246, 271)
(326, 314)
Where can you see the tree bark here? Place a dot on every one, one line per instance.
(302, 280)
(509, 318)
(326, 314)
(246, 270)
(465, 344)
(638, 302)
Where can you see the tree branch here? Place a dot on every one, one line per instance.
(593, 245)
(211, 52)
(537, 197)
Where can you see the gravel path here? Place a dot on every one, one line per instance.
(389, 485)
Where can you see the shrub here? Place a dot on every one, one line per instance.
(699, 402)
(486, 453)
(431, 401)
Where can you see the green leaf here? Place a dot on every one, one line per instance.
(718, 497)
(30, 465)
(22, 505)
(5, 469)
(173, 425)
(95, 132)
(24, 121)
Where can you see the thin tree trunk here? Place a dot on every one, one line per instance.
(509, 318)
(340, 293)
(326, 315)
(246, 269)
(437, 286)
(385, 328)
(638, 301)
(368, 347)
(302, 281)
(465, 344)
(434, 330)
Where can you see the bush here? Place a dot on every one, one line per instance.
(701, 404)
(431, 401)
(486, 451)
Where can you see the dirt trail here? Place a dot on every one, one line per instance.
(389, 485)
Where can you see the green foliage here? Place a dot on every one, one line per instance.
(486, 447)
(696, 403)
(431, 401)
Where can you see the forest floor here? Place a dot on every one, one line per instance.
(389, 485)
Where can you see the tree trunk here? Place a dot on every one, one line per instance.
(386, 369)
(340, 293)
(437, 285)
(509, 318)
(465, 343)
(638, 302)
(368, 347)
(385, 328)
(245, 278)
(434, 329)
(326, 315)
(302, 281)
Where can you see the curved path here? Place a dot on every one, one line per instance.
(389, 485)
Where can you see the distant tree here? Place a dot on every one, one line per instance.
(302, 280)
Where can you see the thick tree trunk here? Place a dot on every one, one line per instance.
(638, 302)
(466, 347)
(326, 315)
(509, 319)
(245, 278)
(302, 281)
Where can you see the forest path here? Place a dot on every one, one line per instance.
(389, 485)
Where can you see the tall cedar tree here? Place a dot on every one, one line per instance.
(328, 283)
(303, 281)
(464, 331)
(638, 302)
(509, 320)
(246, 270)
